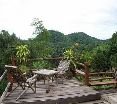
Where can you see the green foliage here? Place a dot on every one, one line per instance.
(38, 26)
(22, 53)
(68, 54)
(86, 57)
(24, 68)
(87, 43)
(101, 58)
(113, 50)
(104, 87)
(113, 60)
(59, 43)
(7, 42)
(3, 85)
(42, 64)
(40, 46)
(53, 44)
(113, 44)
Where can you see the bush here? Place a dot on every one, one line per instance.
(42, 64)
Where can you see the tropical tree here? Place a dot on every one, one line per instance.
(113, 44)
(113, 50)
(101, 58)
(40, 46)
(7, 44)
(86, 56)
(38, 26)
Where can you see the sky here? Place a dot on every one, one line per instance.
(97, 18)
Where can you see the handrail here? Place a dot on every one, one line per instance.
(46, 58)
(6, 89)
(4, 93)
(98, 73)
(3, 75)
(80, 72)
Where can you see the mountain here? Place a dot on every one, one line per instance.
(83, 38)
(85, 41)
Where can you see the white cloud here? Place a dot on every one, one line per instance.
(94, 17)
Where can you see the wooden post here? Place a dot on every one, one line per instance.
(13, 61)
(86, 70)
(9, 75)
(10, 79)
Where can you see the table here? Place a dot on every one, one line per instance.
(47, 75)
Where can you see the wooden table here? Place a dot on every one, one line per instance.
(47, 74)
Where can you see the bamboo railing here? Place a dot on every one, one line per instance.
(7, 87)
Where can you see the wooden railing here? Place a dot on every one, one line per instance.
(102, 78)
(1, 78)
(96, 79)
(56, 58)
(84, 73)
(6, 89)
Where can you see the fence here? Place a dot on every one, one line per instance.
(96, 79)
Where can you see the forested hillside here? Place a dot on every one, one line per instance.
(86, 42)
(101, 54)
(55, 44)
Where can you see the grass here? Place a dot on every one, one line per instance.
(103, 87)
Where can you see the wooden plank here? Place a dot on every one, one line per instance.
(63, 92)
(22, 93)
(80, 72)
(103, 83)
(103, 78)
(46, 58)
(10, 66)
(101, 73)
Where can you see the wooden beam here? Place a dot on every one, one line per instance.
(80, 72)
(98, 73)
(103, 83)
(103, 78)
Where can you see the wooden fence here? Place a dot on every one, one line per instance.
(96, 79)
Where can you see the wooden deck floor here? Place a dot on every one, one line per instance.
(69, 92)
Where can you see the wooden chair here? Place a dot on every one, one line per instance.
(62, 68)
(21, 79)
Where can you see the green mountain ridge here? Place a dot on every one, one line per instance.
(85, 41)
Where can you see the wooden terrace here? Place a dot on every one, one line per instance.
(71, 91)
